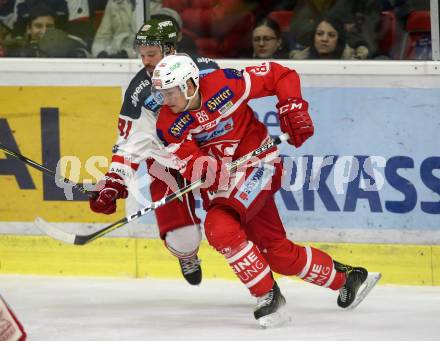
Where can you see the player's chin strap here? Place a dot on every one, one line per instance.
(84, 239)
(189, 98)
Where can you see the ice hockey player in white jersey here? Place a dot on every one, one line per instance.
(137, 142)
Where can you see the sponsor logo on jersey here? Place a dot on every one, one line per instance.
(219, 99)
(232, 74)
(254, 184)
(209, 125)
(225, 108)
(151, 104)
(251, 183)
(137, 91)
(181, 124)
(204, 60)
(222, 129)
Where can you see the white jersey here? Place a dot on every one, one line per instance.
(137, 142)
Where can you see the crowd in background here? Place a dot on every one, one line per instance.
(285, 29)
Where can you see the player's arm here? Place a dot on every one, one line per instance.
(134, 142)
(191, 161)
(270, 79)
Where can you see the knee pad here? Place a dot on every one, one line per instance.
(184, 242)
(223, 229)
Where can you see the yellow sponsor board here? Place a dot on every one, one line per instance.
(129, 257)
(46, 123)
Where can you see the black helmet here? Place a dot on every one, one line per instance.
(157, 32)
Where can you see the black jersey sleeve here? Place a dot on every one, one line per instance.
(136, 95)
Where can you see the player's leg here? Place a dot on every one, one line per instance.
(308, 263)
(179, 227)
(223, 228)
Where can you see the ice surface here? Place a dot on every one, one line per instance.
(61, 308)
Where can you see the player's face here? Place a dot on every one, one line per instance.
(265, 42)
(175, 99)
(151, 56)
(326, 38)
(39, 26)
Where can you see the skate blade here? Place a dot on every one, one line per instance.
(367, 286)
(277, 319)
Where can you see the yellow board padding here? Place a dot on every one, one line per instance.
(88, 120)
(129, 257)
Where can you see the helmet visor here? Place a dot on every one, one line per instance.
(165, 96)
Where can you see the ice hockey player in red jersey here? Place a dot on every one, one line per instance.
(10, 327)
(206, 123)
(137, 141)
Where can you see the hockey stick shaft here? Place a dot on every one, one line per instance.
(84, 239)
(46, 171)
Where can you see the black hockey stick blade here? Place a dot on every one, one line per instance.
(47, 171)
(84, 239)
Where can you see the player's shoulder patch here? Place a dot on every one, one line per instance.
(219, 99)
(151, 104)
(181, 124)
(232, 74)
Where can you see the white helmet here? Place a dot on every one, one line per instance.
(175, 70)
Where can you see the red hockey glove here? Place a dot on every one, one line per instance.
(295, 120)
(111, 187)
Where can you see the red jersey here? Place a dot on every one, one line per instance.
(225, 125)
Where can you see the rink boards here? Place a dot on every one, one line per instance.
(139, 258)
(369, 178)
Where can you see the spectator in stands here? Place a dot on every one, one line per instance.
(80, 23)
(25, 7)
(39, 19)
(360, 19)
(7, 13)
(114, 37)
(267, 41)
(43, 39)
(4, 31)
(184, 42)
(328, 42)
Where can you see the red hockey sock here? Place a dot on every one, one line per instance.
(320, 270)
(251, 268)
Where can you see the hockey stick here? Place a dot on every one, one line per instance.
(84, 239)
(47, 171)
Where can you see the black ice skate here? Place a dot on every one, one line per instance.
(357, 286)
(270, 310)
(191, 269)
